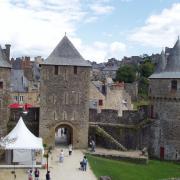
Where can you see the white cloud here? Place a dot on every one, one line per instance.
(161, 29)
(34, 27)
(91, 19)
(98, 8)
(117, 47)
(100, 51)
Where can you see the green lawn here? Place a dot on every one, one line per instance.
(119, 170)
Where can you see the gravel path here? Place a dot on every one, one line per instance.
(68, 170)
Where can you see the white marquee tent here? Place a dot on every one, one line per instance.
(21, 141)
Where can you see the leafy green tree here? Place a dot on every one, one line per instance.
(143, 86)
(126, 73)
(146, 69)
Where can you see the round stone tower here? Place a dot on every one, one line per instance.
(64, 99)
(5, 71)
(164, 93)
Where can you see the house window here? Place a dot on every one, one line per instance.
(100, 102)
(75, 69)
(56, 70)
(174, 85)
(1, 85)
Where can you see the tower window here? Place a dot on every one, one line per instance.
(174, 85)
(1, 85)
(75, 69)
(56, 70)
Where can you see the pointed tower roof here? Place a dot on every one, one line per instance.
(66, 54)
(162, 63)
(173, 61)
(172, 69)
(3, 62)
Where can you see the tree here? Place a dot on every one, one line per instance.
(126, 73)
(143, 86)
(146, 69)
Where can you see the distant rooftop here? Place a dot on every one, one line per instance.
(66, 54)
(3, 62)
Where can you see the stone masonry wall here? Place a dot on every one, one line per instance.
(130, 137)
(64, 99)
(4, 100)
(165, 111)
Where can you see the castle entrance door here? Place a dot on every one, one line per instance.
(63, 135)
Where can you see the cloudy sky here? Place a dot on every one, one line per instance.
(100, 29)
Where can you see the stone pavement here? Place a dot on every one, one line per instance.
(68, 170)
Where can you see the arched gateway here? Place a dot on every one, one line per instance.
(64, 98)
(63, 134)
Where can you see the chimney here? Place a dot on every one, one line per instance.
(8, 46)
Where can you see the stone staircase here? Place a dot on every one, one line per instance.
(101, 132)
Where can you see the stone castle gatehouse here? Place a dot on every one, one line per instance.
(64, 87)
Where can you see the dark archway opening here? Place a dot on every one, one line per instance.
(63, 135)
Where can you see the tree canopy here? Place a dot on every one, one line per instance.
(146, 69)
(126, 73)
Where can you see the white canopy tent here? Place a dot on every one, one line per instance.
(22, 142)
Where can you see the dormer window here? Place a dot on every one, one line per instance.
(1, 85)
(174, 85)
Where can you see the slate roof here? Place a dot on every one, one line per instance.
(161, 63)
(19, 82)
(173, 61)
(165, 75)
(66, 54)
(3, 62)
(172, 69)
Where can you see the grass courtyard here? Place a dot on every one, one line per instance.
(119, 170)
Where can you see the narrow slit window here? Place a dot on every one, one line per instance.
(1, 85)
(174, 85)
(56, 70)
(75, 69)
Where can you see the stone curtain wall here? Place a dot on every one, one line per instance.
(111, 116)
(124, 129)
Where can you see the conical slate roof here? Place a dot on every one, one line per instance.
(66, 54)
(162, 63)
(3, 62)
(173, 61)
(172, 69)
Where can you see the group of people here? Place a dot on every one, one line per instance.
(83, 163)
(36, 174)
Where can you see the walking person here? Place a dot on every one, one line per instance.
(93, 146)
(84, 163)
(30, 175)
(61, 157)
(48, 175)
(36, 174)
(70, 149)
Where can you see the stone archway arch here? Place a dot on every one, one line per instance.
(67, 133)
